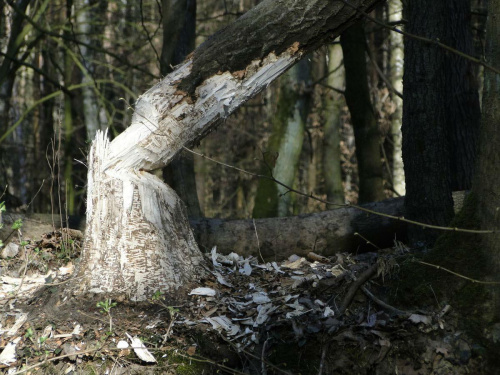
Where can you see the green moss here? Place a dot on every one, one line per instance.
(187, 366)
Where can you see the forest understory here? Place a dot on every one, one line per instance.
(249, 187)
(343, 314)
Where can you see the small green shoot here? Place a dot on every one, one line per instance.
(17, 224)
(29, 333)
(106, 305)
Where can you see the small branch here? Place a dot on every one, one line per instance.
(381, 73)
(149, 38)
(383, 304)
(368, 242)
(258, 243)
(364, 277)
(457, 274)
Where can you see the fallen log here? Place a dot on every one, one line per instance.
(326, 233)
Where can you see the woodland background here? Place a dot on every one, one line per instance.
(72, 67)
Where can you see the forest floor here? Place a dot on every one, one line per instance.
(311, 315)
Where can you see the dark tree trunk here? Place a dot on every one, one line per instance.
(366, 131)
(485, 190)
(463, 113)
(179, 32)
(440, 113)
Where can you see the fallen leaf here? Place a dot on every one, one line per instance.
(140, 350)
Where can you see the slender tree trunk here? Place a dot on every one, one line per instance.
(366, 131)
(396, 77)
(179, 32)
(86, 14)
(285, 144)
(69, 186)
(138, 239)
(333, 104)
(8, 69)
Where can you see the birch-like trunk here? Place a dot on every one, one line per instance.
(397, 57)
(138, 239)
(89, 105)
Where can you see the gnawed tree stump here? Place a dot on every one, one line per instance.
(136, 238)
(139, 240)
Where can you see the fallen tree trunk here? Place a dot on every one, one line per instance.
(325, 233)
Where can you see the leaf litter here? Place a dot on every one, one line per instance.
(253, 309)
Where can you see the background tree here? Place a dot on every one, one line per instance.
(285, 145)
(179, 33)
(366, 130)
(333, 102)
(440, 113)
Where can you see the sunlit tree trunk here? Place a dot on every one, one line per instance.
(85, 15)
(396, 77)
(285, 145)
(67, 139)
(333, 104)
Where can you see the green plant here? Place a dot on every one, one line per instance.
(106, 305)
(17, 224)
(29, 333)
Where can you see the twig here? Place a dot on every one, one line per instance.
(322, 362)
(364, 277)
(258, 243)
(457, 274)
(381, 73)
(263, 357)
(172, 319)
(368, 242)
(383, 304)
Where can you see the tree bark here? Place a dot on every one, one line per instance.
(485, 189)
(440, 113)
(333, 103)
(135, 224)
(463, 113)
(366, 131)
(179, 32)
(424, 130)
(285, 144)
